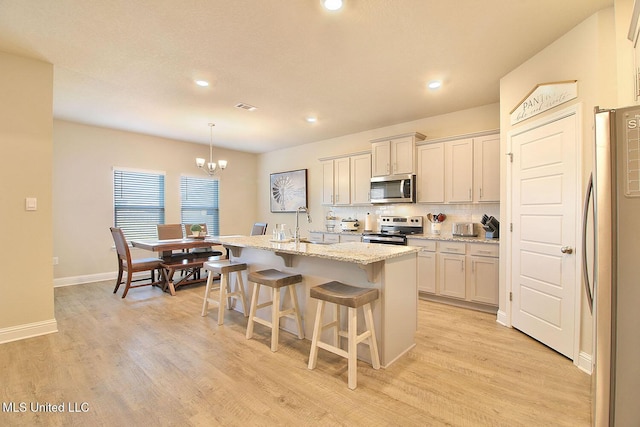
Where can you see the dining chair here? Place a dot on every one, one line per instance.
(171, 231)
(259, 229)
(131, 265)
(204, 252)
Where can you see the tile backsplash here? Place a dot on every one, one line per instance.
(454, 213)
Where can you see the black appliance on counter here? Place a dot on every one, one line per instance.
(394, 230)
(491, 227)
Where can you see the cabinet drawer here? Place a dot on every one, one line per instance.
(350, 238)
(479, 249)
(331, 238)
(424, 245)
(452, 247)
(316, 237)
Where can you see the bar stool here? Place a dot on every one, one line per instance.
(353, 298)
(276, 280)
(224, 268)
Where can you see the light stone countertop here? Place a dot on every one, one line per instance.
(444, 236)
(355, 252)
(452, 238)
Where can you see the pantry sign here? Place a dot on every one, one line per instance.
(543, 97)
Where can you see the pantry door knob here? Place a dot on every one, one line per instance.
(566, 250)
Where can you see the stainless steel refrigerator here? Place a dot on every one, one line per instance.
(614, 294)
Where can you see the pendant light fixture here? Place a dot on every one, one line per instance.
(211, 167)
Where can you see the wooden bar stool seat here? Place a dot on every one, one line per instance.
(224, 268)
(353, 298)
(275, 280)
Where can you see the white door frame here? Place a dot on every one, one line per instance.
(576, 110)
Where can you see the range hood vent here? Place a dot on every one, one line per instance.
(244, 106)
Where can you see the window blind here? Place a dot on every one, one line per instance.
(138, 203)
(199, 198)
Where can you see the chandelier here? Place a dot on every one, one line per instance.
(211, 167)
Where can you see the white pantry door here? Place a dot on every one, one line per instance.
(544, 233)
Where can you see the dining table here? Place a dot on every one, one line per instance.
(191, 261)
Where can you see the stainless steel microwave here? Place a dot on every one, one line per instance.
(393, 189)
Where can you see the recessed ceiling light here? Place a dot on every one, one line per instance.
(434, 84)
(332, 4)
(312, 119)
(202, 83)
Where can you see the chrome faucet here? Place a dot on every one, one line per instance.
(296, 236)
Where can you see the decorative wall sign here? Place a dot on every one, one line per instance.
(288, 190)
(544, 97)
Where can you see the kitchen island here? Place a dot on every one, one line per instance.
(390, 269)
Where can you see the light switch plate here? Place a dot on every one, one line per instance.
(31, 204)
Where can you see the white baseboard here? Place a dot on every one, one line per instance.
(584, 362)
(29, 330)
(90, 278)
(502, 319)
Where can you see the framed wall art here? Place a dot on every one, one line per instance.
(288, 190)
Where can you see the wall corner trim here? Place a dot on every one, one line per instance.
(502, 319)
(28, 330)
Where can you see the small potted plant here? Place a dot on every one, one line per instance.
(196, 229)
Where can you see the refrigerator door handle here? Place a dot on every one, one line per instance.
(585, 269)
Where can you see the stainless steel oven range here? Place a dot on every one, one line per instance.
(395, 229)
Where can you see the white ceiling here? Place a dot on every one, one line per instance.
(131, 65)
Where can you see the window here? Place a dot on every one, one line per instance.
(199, 197)
(138, 202)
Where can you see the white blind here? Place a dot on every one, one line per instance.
(199, 197)
(138, 203)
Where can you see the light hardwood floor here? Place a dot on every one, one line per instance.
(151, 359)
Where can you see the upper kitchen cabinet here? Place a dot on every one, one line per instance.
(336, 182)
(486, 167)
(360, 179)
(458, 169)
(430, 174)
(346, 180)
(394, 155)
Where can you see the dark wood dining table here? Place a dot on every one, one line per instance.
(190, 261)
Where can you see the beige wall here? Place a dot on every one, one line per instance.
(587, 54)
(306, 157)
(83, 160)
(26, 295)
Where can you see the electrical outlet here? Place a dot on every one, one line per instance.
(55, 260)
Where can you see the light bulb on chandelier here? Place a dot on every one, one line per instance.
(211, 167)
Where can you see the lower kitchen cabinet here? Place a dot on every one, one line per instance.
(483, 279)
(318, 236)
(452, 275)
(460, 273)
(483, 273)
(350, 238)
(427, 277)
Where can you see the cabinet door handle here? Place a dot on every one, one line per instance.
(469, 193)
(481, 192)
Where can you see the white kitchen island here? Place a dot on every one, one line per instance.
(391, 269)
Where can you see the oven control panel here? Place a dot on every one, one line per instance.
(401, 221)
